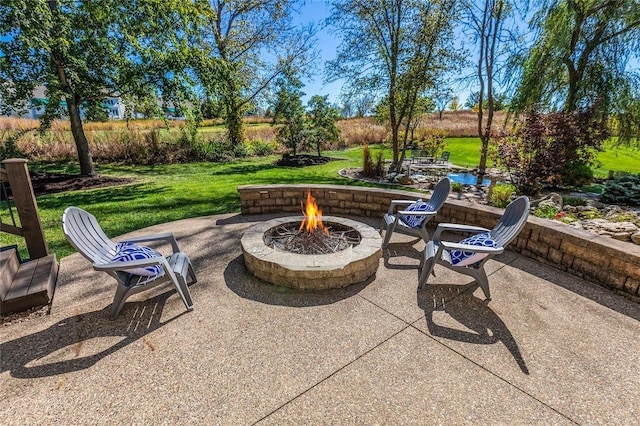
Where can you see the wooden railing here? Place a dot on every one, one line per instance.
(15, 172)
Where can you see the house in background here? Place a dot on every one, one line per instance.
(35, 107)
(115, 107)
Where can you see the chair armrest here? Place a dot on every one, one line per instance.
(457, 228)
(166, 236)
(468, 247)
(396, 203)
(412, 213)
(132, 264)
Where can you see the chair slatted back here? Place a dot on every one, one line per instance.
(84, 233)
(512, 221)
(440, 194)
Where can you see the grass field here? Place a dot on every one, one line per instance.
(164, 193)
(171, 192)
(465, 152)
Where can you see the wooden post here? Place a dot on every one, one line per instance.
(25, 202)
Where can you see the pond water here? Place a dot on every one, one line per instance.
(466, 178)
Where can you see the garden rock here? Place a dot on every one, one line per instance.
(553, 200)
(405, 180)
(635, 238)
(621, 231)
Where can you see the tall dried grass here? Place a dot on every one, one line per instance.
(16, 123)
(148, 141)
(266, 134)
(460, 124)
(361, 131)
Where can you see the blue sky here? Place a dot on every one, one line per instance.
(316, 11)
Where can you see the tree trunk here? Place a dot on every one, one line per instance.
(73, 106)
(234, 123)
(82, 145)
(234, 111)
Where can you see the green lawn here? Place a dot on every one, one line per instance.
(466, 152)
(221, 128)
(171, 192)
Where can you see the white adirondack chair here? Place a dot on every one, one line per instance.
(84, 233)
(395, 220)
(440, 252)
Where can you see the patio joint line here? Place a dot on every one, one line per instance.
(333, 373)
(390, 313)
(502, 379)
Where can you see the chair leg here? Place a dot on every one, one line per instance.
(427, 269)
(387, 235)
(183, 291)
(481, 278)
(122, 292)
(424, 234)
(192, 273)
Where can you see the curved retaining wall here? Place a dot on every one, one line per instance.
(600, 259)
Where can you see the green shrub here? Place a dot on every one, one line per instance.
(622, 190)
(215, 150)
(573, 201)
(501, 195)
(368, 168)
(576, 174)
(379, 164)
(261, 147)
(9, 149)
(546, 212)
(456, 187)
(432, 141)
(240, 150)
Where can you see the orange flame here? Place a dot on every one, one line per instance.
(312, 216)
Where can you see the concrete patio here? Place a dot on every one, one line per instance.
(549, 348)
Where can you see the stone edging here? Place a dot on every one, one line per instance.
(600, 259)
(311, 272)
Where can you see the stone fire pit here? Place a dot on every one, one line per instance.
(312, 272)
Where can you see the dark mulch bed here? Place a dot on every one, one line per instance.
(50, 183)
(303, 160)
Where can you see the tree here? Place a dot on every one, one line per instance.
(210, 108)
(551, 149)
(244, 47)
(579, 59)
(486, 19)
(395, 48)
(289, 112)
(322, 122)
(86, 51)
(362, 102)
(347, 109)
(442, 96)
(500, 102)
(454, 105)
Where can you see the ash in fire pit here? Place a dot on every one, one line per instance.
(289, 237)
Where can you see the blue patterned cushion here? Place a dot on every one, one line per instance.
(128, 251)
(418, 206)
(464, 258)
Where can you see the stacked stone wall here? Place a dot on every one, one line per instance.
(600, 259)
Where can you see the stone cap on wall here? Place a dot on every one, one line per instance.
(603, 260)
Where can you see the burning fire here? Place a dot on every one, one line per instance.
(312, 216)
